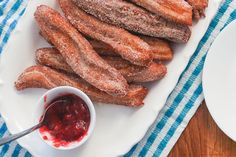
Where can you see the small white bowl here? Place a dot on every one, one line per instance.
(50, 96)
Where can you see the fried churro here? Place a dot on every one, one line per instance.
(78, 53)
(160, 49)
(102, 48)
(132, 73)
(44, 77)
(178, 11)
(129, 46)
(134, 18)
(199, 7)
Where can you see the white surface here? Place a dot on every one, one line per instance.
(118, 128)
(51, 95)
(219, 80)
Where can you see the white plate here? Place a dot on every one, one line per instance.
(118, 128)
(219, 80)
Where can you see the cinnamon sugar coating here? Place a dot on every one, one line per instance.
(178, 11)
(131, 17)
(78, 53)
(44, 77)
(128, 46)
(132, 73)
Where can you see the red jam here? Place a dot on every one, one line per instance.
(68, 121)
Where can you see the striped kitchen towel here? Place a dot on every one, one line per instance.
(181, 104)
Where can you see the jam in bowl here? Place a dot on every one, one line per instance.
(70, 121)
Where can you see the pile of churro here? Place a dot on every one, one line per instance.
(109, 48)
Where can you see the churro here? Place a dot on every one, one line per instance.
(132, 73)
(44, 77)
(129, 46)
(178, 11)
(78, 53)
(131, 17)
(199, 7)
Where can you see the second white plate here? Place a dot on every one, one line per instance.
(219, 80)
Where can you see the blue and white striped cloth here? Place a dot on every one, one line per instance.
(180, 106)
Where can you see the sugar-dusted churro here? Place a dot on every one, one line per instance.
(178, 11)
(131, 17)
(199, 7)
(78, 53)
(160, 49)
(129, 46)
(133, 73)
(44, 77)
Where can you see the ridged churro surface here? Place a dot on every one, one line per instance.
(131, 17)
(129, 46)
(78, 53)
(44, 77)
